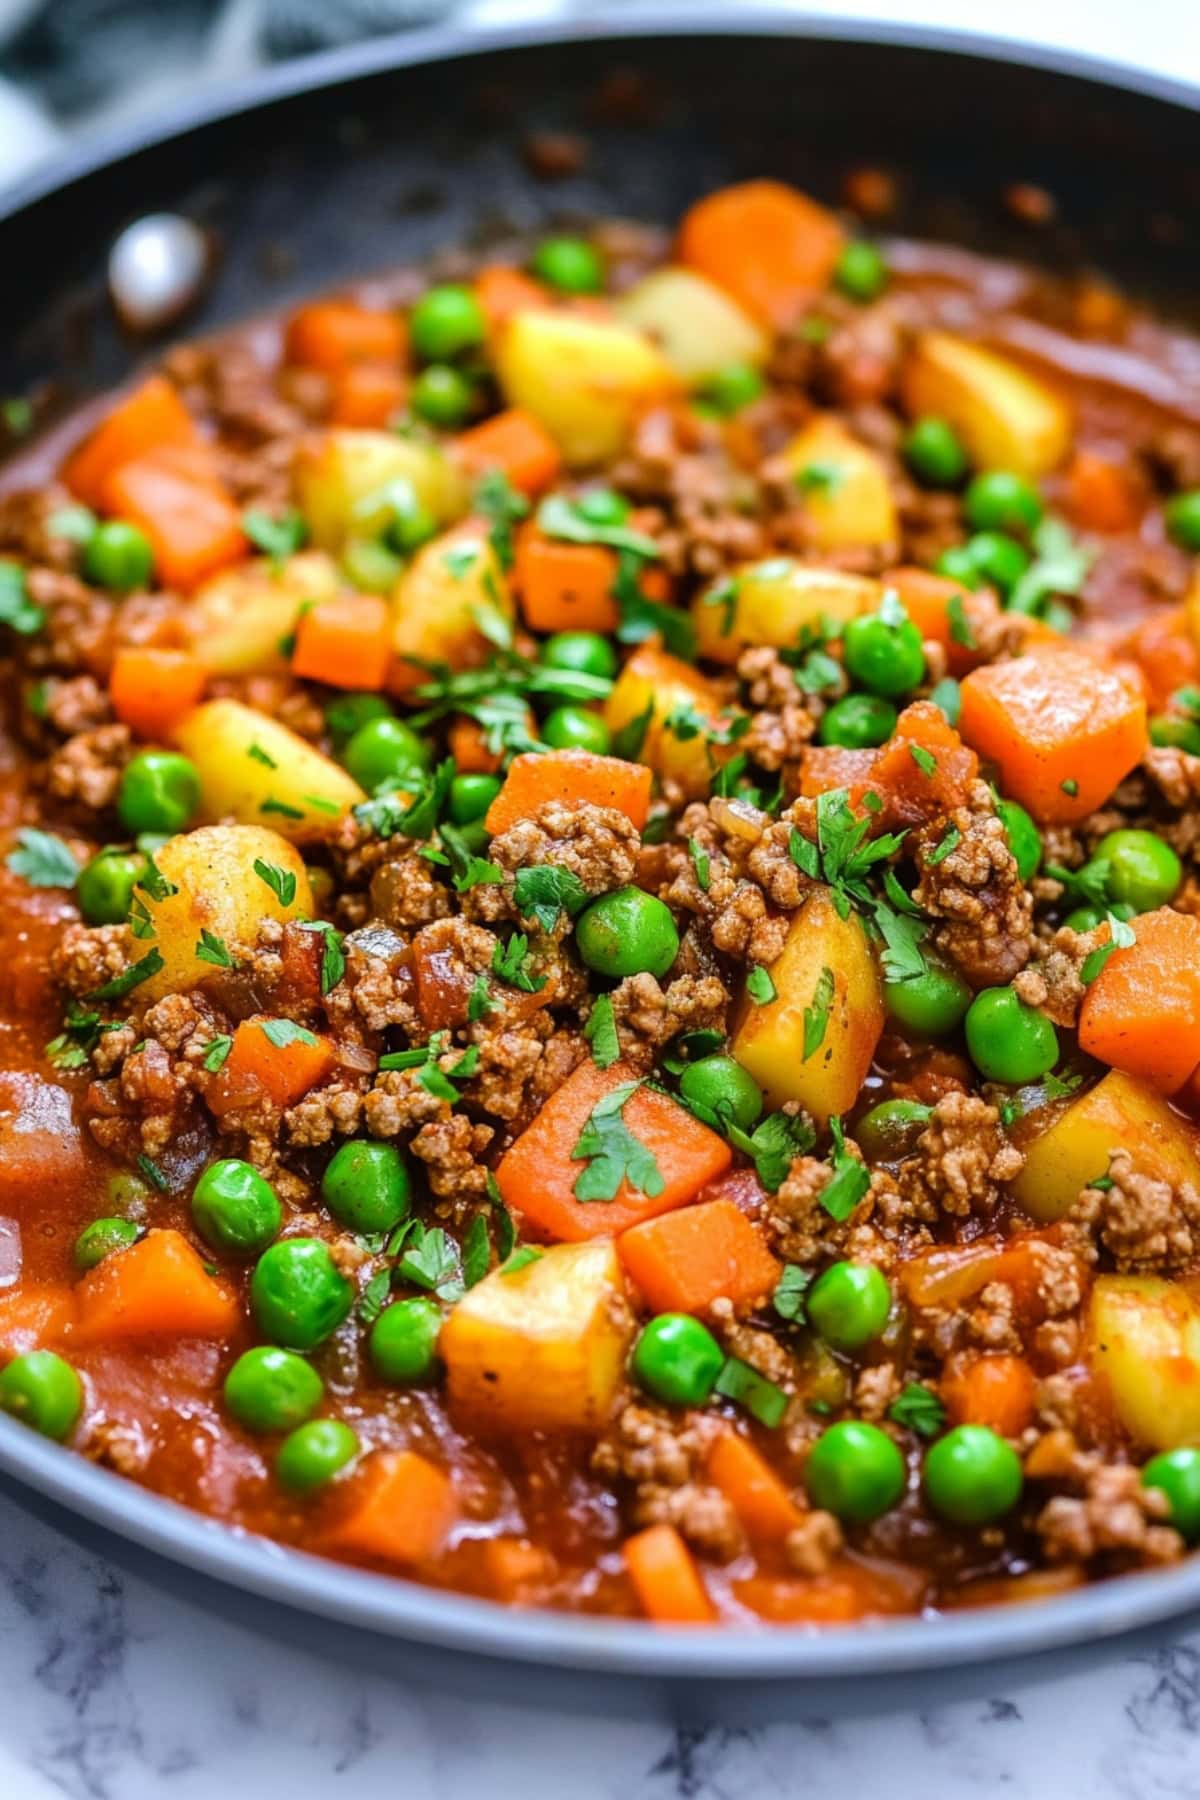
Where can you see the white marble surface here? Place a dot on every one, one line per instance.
(111, 1690)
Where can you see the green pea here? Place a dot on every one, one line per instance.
(371, 567)
(930, 1004)
(959, 565)
(350, 712)
(269, 1389)
(101, 1238)
(1143, 869)
(859, 722)
(1182, 515)
(890, 1130)
(998, 500)
(935, 454)
(1024, 838)
(235, 1209)
(677, 1359)
(861, 272)
(118, 556)
(575, 728)
(724, 1087)
(972, 1476)
(366, 1186)
(43, 1391)
(104, 886)
(1176, 1473)
(442, 395)
(403, 1341)
(445, 322)
(603, 506)
(998, 559)
(128, 1194)
(314, 1453)
(583, 652)
(627, 932)
(886, 659)
(854, 1471)
(1177, 734)
(731, 388)
(298, 1294)
(159, 791)
(569, 264)
(849, 1304)
(1009, 1041)
(471, 796)
(385, 750)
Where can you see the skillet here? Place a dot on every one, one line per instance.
(320, 172)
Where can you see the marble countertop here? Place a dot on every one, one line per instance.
(114, 1690)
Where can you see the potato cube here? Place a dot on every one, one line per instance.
(543, 1347)
(1006, 417)
(341, 481)
(773, 602)
(238, 621)
(698, 328)
(437, 604)
(584, 379)
(1073, 1150)
(681, 703)
(255, 770)
(1143, 1338)
(845, 488)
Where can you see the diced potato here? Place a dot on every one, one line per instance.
(769, 1041)
(698, 328)
(1120, 1112)
(255, 770)
(237, 622)
(452, 582)
(845, 488)
(773, 602)
(218, 891)
(1006, 417)
(341, 477)
(1143, 1338)
(584, 379)
(670, 687)
(542, 1348)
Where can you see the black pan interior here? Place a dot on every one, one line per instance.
(379, 168)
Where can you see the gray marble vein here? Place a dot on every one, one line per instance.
(113, 1690)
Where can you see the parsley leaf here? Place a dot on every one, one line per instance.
(212, 949)
(902, 936)
(925, 760)
(282, 882)
(762, 1399)
(217, 1054)
(543, 891)
(773, 1144)
(502, 506)
(17, 610)
(725, 595)
(612, 1152)
(1087, 886)
(642, 618)
(374, 1296)
(333, 957)
(918, 1409)
(277, 538)
(155, 883)
(430, 1261)
(122, 984)
(804, 854)
(1121, 936)
(629, 739)
(479, 1000)
(816, 1015)
(947, 697)
(476, 1251)
(257, 754)
(466, 869)
(788, 1298)
(521, 1259)
(601, 1032)
(701, 863)
(950, 840)
(759, 986)
(851, 1178)
(1060, 566)
(960, 626)
(510, 962)
(282, 1032)
(559, 517)
(43, 860)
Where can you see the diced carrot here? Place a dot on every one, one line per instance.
(564, 587)
(189, 517)
(35, 1318)
(345, 642)
(764, 243)
(996, 1390)
(665, 1578)
(400, 1508)
(516, 444)
(153, 417)
(513, 1566)
(686, 1260)
(283, 1072)
(927, 600)
(468, 745)
(368, 395)
(1165, 651)
(1101, 495)
(503, 291)
(824, 767)
(537, 1175)
(159, 1285)
(330, 335)
(1141, 1013)
(1062, 728)
(534, 779)
(151, 689)
(913, 791)
(752, 1488)
(852, 1588)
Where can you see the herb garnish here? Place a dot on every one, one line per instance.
(918, 1409)
(816, 1015)
(20, 613)
(42, 859)
(543, 891)
(511, 963)
(212, 949)
(277, 538)
(601, 1032)
(612, 1152)
(1121, 936)
(132, 977)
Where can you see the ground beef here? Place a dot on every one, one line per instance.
(596, 843)
(977, 890)
(88, 956)
(746, 929)
(508, 1059)
(86, 771)
(1054, 983)
(1143, 1224)
(397, 1103)
(79, 704)
(378, 983)
(798, 1225)
(786, 718)
(453, 1148)
(79, 623)
(328, 1112)
(648, 1015)
(660, 1453)
(771, 864)
(707, 504)
(1112, 1516)
(811, 1546)
(406, 894)
(960, 1158)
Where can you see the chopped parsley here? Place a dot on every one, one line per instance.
(139, 920)
(277, 538)
(759, 986)
(333, 957)
(417, 817)
(282, 1032)
(542, 892)
(724, 594)
(946, 695)
(217, 1054)
(642, 618)
(257, 754)
(466, 869)
(762, 1399)
(479, 1000)
(212, 949)
(925, 760)
(613, 1154)
(430, 1261)
(1121, 936)
(851, 1178)
(559, 517)
(1060, 567)
(282, 882)
(701, 863)
(1087, 886)
(773, 1144)
(816, 1014)
(788, 1298)
(42, 859)
(502, 506)
(520, 1259)
(950, 840)
(155, 883)
(917, 1408)
(476, 1251)
(132, 977)
(601, 1032)
(820, 478)
(17, 610)
(629, 739)
(510, 962)
(1070, 787)
(281, 807)
(960, 626)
